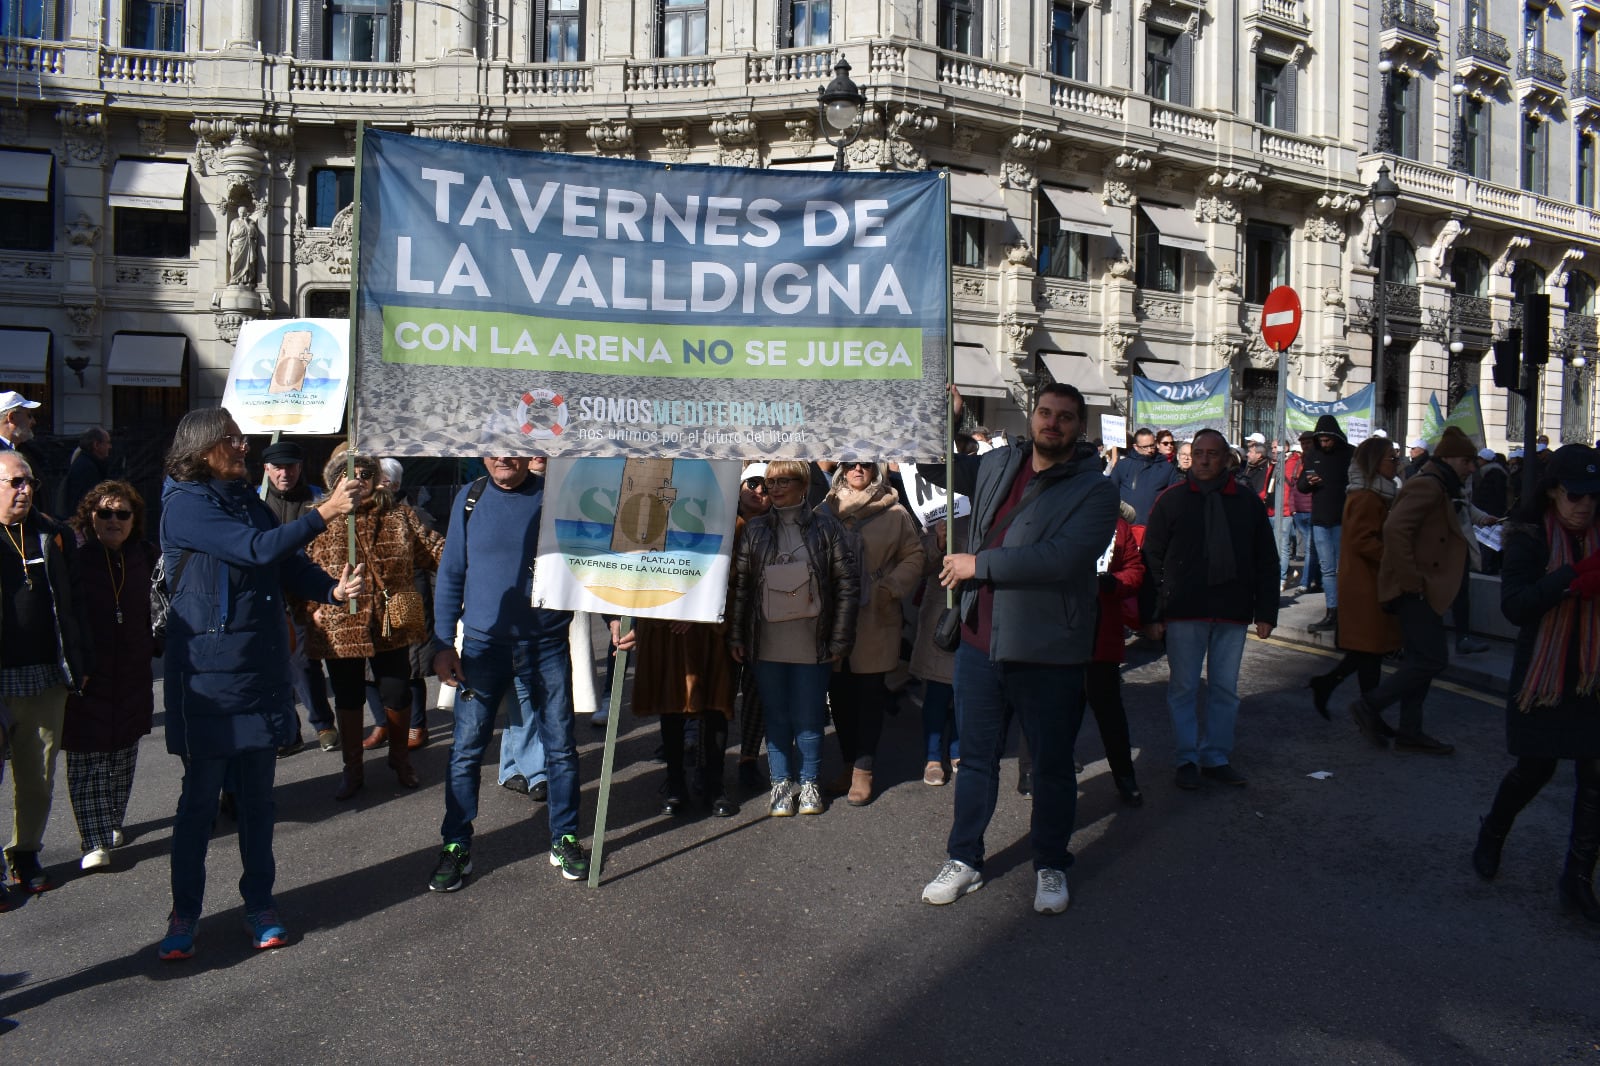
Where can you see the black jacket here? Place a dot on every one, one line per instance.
(1176, 587)
(1333, 467)
(838, 588)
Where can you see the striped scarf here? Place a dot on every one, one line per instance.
(1545, 680)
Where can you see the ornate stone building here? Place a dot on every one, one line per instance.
(1131, 176)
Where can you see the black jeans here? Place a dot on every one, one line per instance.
(1102, 687)
(858, 702)
(1427, 654)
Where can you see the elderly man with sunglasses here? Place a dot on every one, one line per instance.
(44, 654)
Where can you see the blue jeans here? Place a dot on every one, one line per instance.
(1326, 538)
(521, 747)
(1298, 529)
(249, 777)
(1049, 700)
(545, 667)
(1218, 647)
(937, 722)
(795, 699)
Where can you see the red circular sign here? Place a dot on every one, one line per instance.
(1280, 318)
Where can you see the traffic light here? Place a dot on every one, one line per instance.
(1536, 327)
(1507, 356)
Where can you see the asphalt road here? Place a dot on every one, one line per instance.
(1296, 920)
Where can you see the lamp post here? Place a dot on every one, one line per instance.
(1458, 130)
(1385, 198)
(840, 106)
(1383, 140)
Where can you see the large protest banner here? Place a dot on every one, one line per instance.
(1466, 415)
(648, 538)
(516, 302)
(1185, 407)
(1354, 413)
(289, 375)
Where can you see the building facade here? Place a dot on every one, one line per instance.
(1130, 177)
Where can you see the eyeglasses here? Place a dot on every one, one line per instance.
(755, 483)
(856, 465)
(782, 482)
(366, 475)
(22, 482)
(106, 514)
(235, 441)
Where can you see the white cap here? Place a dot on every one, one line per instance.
(753, 470)
(1295, 447)
(9, 401)
(1255, 438)
(1381, 434)
(1486, 454)
(1417, 442)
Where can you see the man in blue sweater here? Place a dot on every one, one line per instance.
(503, 636)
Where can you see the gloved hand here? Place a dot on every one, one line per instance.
(1586, 585)
(1589, 564)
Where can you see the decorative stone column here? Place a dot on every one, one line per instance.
(83, 147)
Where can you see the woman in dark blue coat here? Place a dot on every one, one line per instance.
(229, 704)
(1550, 587)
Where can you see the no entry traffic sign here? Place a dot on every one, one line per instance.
(1280, 318)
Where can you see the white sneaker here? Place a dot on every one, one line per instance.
(954, 880)
(783, 799)
(116, 838)
(98, 859)
(810, 798)
(1051, 896)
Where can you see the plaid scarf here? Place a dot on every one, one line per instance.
(1545, 680)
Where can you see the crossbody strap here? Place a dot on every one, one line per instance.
(998, 530)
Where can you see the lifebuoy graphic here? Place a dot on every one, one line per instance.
(542, 414)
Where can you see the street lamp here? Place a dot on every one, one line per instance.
(1458, 133)
(839, 108)
(1383, 140)
(1385, 198)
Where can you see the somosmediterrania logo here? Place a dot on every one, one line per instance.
(542, 414)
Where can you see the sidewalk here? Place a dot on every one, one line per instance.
(1485, 671)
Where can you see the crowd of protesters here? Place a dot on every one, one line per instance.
(1066, 554)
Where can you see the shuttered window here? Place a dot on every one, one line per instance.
(558, 30)
(803, 23)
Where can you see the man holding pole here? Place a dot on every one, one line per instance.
(494, 523)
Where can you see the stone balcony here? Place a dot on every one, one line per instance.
(1483, 60)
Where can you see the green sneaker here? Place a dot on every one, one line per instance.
(567, 854)
(455, 863)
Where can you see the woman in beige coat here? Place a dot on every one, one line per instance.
(891, 569)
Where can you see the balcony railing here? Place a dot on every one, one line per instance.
(648, 74)
(1586, 83)
(1282, 10)
(805, 65)
(965, 72)
(1533, 63)
(31, 57)
(368, 79)
(1471, 313)
(549, 79)
(1410, 15)
(1479, 43)
(1402, 300)
(148, 68)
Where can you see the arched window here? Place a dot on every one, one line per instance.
(1401, 267)
(1527, 280)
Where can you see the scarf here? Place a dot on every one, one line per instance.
(1220, 564)
(1545, 680)
(1383, 486)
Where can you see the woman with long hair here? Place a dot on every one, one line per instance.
(1550, 588)
(105, 720)
(1366, 632)
(392, 545)
(228, 699)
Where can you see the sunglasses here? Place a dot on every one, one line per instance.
(366, 475)
(235, 441)
(22, 482)
(858, 465)
(782, 482)
(753, 483)
(106, 514)
(1579, 497)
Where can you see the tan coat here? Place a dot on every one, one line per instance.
(1424, 550)
(393, 545)
(1363, 623)
(893, 570)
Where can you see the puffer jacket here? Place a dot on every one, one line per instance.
(55, 543)
(892, 567)
(394, 546)
(227, 661)
(837, 588)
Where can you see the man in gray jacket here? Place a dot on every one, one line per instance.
(1042, 515)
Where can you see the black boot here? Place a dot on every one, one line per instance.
(675, 791)
(1322, 686)
(1577, 878)
(1486, 856)
(1328, 623)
